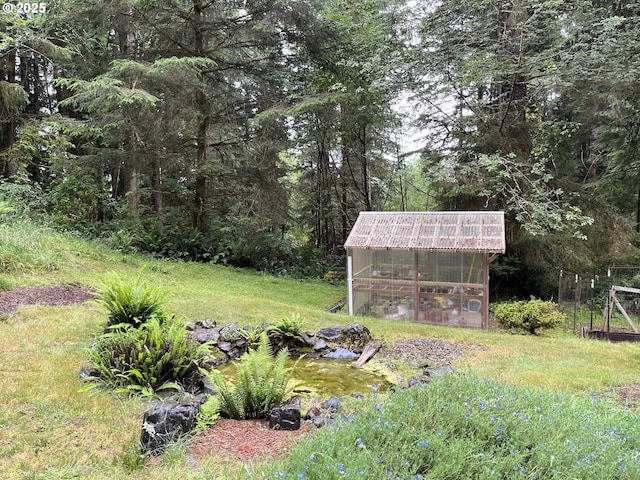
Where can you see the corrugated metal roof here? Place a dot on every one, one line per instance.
(453, 231)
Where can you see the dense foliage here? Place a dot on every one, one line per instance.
(460, 426)
(144, 349)
(252, 133)
(528, 316)
(159, 355)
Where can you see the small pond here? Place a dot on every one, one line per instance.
(326, 377)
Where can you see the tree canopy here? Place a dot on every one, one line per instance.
(254, 132)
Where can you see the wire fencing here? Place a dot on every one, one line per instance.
(586, 300)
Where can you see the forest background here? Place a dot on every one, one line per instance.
(252, 133)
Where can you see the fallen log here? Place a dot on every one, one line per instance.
(369, 351)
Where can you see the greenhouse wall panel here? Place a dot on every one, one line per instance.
(427, 267)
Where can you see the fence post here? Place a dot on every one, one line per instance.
(591, 320)
(576, 299)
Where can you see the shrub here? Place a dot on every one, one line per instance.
(261, 382)
(77, 202)
(159, 355)
(528, 316)
(131, 302)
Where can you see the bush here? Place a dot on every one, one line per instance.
(528, 316)
(251, 334)
(261, 382)
(157, 356)
(77, 202)
(131, 302)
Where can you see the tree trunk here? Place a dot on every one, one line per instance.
(513, 124)
(156, 186)
(8, 168)
(131, 187)
(128, 47)
(202, 180)
(366, 173)
(343, 202)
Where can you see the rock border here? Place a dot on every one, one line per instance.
(169, 420)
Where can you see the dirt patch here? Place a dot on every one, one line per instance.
(54, 295)
(629, 396)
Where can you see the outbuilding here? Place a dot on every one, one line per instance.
(429, 267)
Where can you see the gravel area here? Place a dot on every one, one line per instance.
(426, 352)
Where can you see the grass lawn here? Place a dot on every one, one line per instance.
(50, 429)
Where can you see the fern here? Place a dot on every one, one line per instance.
(157, 356)
(289, 326)
(209, 412)
(130, 302)
(261, 382)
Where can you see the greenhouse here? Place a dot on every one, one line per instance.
(429, 267)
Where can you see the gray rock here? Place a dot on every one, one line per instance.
(320, 345)
(331, 334)
(354, 336)
(204, 335)
(87, 372)
(418, 380)
(230, 332)
(167, 422)
(206, 323)
(286, 416)
(332, 404)
(341, 353)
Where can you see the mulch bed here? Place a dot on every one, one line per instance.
(56, 295)
(244, 441)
